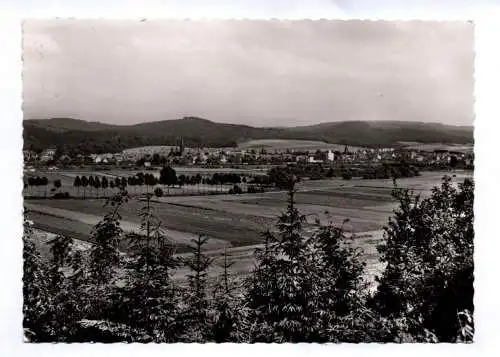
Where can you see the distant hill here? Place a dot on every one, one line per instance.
(61, 125)
(387, 133)
(79, 135)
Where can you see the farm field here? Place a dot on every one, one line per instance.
(437, 146)
(237, 221)
(283, 144)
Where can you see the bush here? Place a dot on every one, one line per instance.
(251, 189)
(158, 192)
(346, 175)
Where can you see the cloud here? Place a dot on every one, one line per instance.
(254, 72)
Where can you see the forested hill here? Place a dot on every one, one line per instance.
(84, 136)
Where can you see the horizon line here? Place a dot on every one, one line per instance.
(254, 126)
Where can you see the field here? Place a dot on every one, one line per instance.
(278, 144)
(437, 146)
(237, 221)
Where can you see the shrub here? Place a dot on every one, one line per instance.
(346, 175)
(158, 192)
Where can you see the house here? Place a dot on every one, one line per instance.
(331, 155)
(47, 155)
(312, 160)
(65, 158)
(301, 158)
(29, 155)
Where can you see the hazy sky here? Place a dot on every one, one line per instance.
(262, 73)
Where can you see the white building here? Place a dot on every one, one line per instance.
(331, 155)
(47, 155)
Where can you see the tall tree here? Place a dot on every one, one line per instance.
(428, 252)
(44, 182)
(104, 184)
(97, 185)
(168, 176)
(196, 294)
(228, 322)
(85, 183)
(77, 183)
(91, 182)
(284, 304)
(104, 254)
(151, 295)
(57, 184)
(36, 300)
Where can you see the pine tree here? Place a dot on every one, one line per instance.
(196, 309)
(151, 296)
(104, 254)
(284, 303)
(341, 292)
(228, 313)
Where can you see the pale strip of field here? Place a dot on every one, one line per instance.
(178, 237)
(437, 146)
(284, 144)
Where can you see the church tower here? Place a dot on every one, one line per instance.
(181, 146)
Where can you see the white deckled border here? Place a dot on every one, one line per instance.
(487, 19)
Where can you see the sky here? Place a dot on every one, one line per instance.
(260, 73)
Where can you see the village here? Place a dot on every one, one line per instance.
(154, 156)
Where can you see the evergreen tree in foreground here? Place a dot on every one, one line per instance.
(196, 299)
(228, 313)
(151, 297)
(105, 258)
(36, 294)
(282, 286)
(428, 249)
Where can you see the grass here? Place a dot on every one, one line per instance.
(237, 221)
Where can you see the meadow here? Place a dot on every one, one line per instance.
(236, 222)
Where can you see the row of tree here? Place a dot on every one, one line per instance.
(277, 176)
(304, 287)
(96, 182)
(37, 181)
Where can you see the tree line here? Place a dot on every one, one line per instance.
(303, 288)
(277, 176)
(37, 181)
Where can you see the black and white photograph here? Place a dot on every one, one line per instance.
(248, 181)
